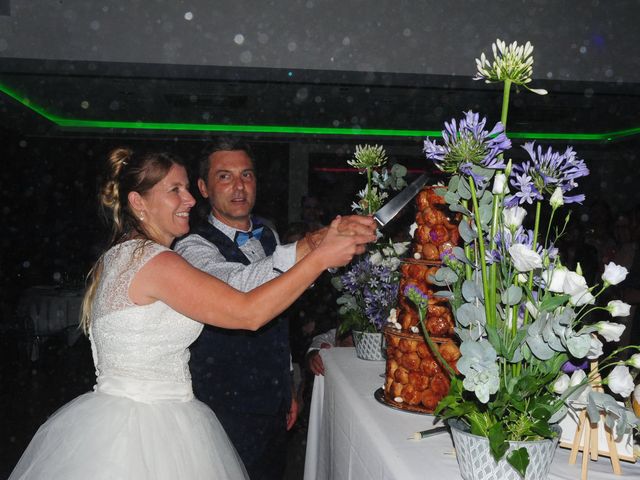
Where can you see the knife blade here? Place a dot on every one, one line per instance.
(387, 212)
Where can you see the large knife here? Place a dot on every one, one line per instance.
(391, 208)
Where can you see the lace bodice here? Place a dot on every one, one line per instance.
(147, 342)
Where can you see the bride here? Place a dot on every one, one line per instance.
(142, 421)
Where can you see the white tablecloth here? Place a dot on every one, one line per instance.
(352, 436)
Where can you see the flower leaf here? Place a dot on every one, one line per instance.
(464, 190)
(469, 313)
(451, 198)
(498, 441)
(469, 290)
(550, 302)
(519, 460)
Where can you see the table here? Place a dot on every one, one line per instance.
(352, 436)
(50, 310)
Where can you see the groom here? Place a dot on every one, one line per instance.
(245, 376)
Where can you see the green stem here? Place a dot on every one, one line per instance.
(467, 249)
(493, 269)
(433, 346)
(505, 103)
(369, 181)
(536, 228)
(483, 260)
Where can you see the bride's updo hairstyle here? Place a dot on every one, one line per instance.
(126, 172)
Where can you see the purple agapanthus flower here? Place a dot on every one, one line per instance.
(467, 144)
(546, 171)
(375, 288)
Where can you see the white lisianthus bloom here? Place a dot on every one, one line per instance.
(575, 285)
(578, 377)
(610, 331)
(595, 349)
(513, 217)
(412, 229)
(561, 384)
(554, 278)
(500, 186)
(618, 309)
(634, 361)
(376, 258)
(620, 381)
(524, 259)
(522, 278)
(556, 200)
(614, 274)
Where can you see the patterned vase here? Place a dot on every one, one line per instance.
(369, 346)
(477, 463)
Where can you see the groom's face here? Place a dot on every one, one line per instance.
(230, 187)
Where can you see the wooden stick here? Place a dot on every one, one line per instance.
(575, 447)
(585, 451)
(613, 452)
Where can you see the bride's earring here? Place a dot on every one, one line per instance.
(141, 216)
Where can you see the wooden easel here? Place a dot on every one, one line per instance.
(589, 432)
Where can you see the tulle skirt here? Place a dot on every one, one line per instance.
(101, 436)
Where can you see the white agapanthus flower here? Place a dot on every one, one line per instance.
(618, 309)
(561, 384)
(513, 63)
(513, 217)
(524, 259)
(610, 331)
(620, 381)
(614, 274)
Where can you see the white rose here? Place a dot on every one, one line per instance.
(500, 184)
(613, 274)
(634, 361)
(554, 278)
(524, 259)
(618, 309)
(620, 381)
(556, 200)
(610, 331)
(595, 349)
(513, 217)
(561, 384)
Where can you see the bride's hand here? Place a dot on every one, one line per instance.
(338, 248)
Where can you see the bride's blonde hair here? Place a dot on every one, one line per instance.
(127, 172)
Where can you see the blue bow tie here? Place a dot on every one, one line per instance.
(242, 237)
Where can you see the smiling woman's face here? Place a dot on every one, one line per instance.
(167, 206)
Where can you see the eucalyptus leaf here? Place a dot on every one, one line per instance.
(487, 198)
(469, 290)
(540, 348)
(578, 345)
(485, 214)
(467, 234)
(463, 189)
(446, 275)
(453, 183)
(512, 295)
(458, 252)
(443, 294)
(460, 209)
(451, 198)
(470, 313)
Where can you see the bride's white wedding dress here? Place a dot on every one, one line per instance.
(141, 421)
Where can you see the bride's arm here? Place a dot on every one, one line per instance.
(169, 278)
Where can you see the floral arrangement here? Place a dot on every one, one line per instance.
(369, 286)
(520, 314)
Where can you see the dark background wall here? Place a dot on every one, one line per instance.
(588, 40)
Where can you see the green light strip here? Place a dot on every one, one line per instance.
(378, 132)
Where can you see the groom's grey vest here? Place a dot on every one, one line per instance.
(240, 370)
